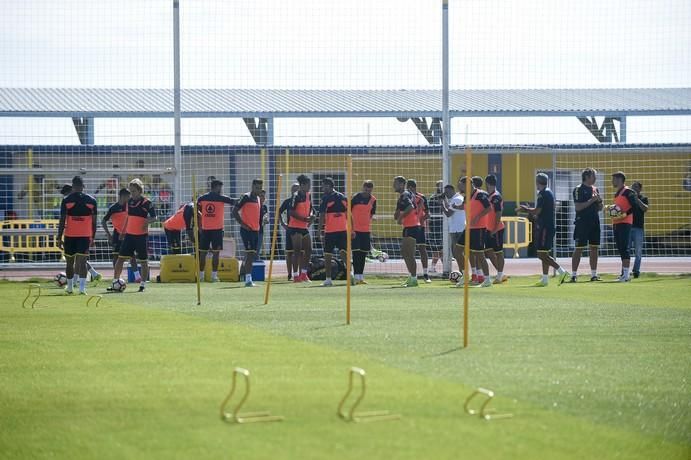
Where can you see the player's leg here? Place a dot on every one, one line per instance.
(622, 234)
(95, 275)
(250, 240)
(69, 264)
(594, 247)
(289, 254)
(497, 247)
(142, 253)
(637, 238)
(424, 258)
(116, 242)
(127, 251)
(306, 256)
(408, 253)
(216, 238)
(80, 265)
(360, 246)
(173, 239)
(329, 245)
(296, 238)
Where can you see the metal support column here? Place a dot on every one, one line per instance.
(177, 187)
(446, 130)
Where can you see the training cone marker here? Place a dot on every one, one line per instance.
(247, 417)
(485, 413)
(358, 417)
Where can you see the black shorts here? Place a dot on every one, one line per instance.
(362, 242)
(543, 239)
(335, 240)
(134, 244)
(250, 239)
(423, 236)
(494, 242)
(76, 245)
(414, 232)
(297, 231)
(586, 233)
(288, 242)
(211, 239)
(174, 241)
(116, 242)
(477, 239)
(622, 235)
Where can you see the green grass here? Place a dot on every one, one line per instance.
(589, 370)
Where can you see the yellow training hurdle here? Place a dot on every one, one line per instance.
(29, 236)
(514, 238)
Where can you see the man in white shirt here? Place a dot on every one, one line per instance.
(453, 209)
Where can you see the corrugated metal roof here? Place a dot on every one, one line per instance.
(86, 102)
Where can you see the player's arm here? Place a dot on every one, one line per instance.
(643, 206)
(292, 212)
(374, 209)
(104, 224)
(633, 201)
(281, 210)
(61, 225)
(496, 205)
(425, 208)
(228, 200)
(580, 203)
(446, 207)
(94, 224)
(151, 214)
(322, 216)
(236, 213)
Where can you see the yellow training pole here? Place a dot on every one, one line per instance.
(466, 265)
(349, 243)
(274, 238)
(196, 239)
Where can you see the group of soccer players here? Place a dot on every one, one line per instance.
(131, 215)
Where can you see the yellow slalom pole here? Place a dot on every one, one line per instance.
(349, 243)
(466, 255)
(196, 239)
(274, 238)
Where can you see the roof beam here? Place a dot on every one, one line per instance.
(431, 132)
(604, 133)
(85, 129)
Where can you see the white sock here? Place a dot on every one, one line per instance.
(248, 278)
(303, 271)
(328, 278)
(424, 271)
(201, 275)
(560, 271)
(575, 273)
(295, 275)
(545, 279)
(76, 278)
(93, 272)
(626, 273)
(500, 275)
(82, 284)
(593, 272)
(137, 274)
(142, 283)
(214, 274)
(70, 284)
(474, 271)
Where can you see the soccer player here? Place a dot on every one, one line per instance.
(263, 221)
(544, 229)
(406, 215)
(586, 233)
(212, 206)
(332, 227)
(453, 209)
(494, 237)
(140, 213)
(285, 207)
(478, 207)
(625, 199)
(78, 225)
(301, 216)
(637, 228)
(248, 214)
(95, 276)
(363, 208)
(183, 219)
(436, 226)
(117, 215)
(422, 210)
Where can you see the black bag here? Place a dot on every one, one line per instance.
(316, 269)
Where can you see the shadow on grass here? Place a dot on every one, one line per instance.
(443, 353)
(330, 326)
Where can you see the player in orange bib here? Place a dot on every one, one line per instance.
(117, 216)
(407, 217)
(78, 225)
(140, 213)
(301, 217)
(494, 237)
(422, 210)
(624, 203)
(363, 208)
(477, 207)
(333, 229)
(248, 214)
(183, 219)
(212, 207)
(95, 276)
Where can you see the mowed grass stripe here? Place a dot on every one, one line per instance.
(127, 381)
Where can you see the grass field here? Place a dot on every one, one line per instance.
(589, 370)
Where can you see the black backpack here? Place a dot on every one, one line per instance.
(317, 271)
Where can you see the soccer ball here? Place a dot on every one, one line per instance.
(614, 210)
(455, 277)
(383, 257)
(60, 279)
(119, 285)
